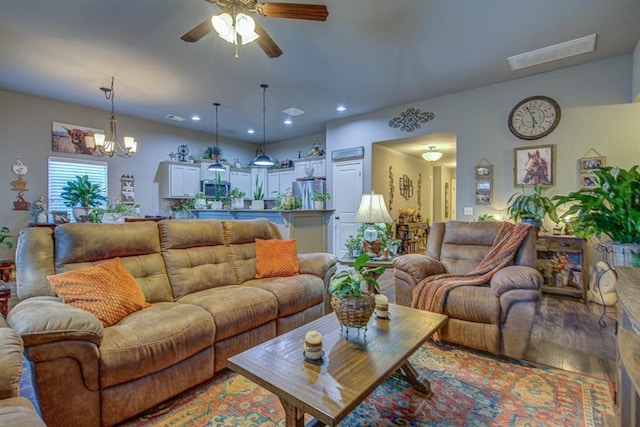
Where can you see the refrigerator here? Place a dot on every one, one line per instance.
(304, 189)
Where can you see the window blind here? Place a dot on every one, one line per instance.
(61, 170)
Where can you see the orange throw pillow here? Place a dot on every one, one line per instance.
(276, 258)
(107, 290)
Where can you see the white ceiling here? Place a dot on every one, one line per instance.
(368, 55)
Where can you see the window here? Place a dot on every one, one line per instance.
(62, 170)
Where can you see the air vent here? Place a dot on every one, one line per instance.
(176, 118)
(552, 53)
(293, 111)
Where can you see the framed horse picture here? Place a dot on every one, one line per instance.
(534, 166)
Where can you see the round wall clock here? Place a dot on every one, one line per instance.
(534, 117)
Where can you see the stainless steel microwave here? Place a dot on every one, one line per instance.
(211, 188)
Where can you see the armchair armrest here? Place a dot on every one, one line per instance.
(318, 264)
(418, 266)
(516, 277)
(11, 362)
(42, 320)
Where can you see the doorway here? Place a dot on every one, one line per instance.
(347, 193)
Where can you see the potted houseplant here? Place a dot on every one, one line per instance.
(319, 199)
(258, 195)
(181, 208)
(115, 212)
(214, 153)
(352, 295)
(6, 265)
(81, 195)
(610, 208)
(200, 200)
(353, 245)
(287, 201)
(237, 198)
(531, 208)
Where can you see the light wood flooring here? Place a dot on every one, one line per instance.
(567, 334)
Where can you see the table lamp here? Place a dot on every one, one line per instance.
(372, 210)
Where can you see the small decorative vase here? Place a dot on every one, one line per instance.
(42, 218)
(558, 279)
(318, 204)
(216, 205)
(257, 205)
(81, 214)
(237, 203)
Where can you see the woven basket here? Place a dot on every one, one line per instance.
(354, 312)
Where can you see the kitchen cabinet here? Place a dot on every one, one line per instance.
(280, 180)
(241, 179)
(318, 164)
(574, 249)
(180, 179)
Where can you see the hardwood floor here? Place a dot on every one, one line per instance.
(567, 334)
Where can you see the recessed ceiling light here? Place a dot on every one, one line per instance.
(195, 118)
(287, 121)
(293, 111)
(341, 108)
(176, 118)
(251, 131)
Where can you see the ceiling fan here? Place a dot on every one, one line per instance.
(312, 12)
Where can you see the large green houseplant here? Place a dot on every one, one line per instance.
(81, 195)
(6, 265)
(611, 208)
(531, 207)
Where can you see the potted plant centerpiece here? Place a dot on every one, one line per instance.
(6, 265)
(531, 208)
(115, 212)
(611, 208)
(237, 198)
(258, 195)
(352, 295)
(320, 199)
(354, 245)
(81, 195)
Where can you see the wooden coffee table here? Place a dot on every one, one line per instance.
(351, 369)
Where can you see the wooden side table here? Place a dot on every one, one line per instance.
(575, 249)
(5, 294)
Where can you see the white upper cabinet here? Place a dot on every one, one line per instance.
(317, 164)
(180, 179)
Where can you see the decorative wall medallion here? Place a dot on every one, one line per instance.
(411, 119)
(406, 187)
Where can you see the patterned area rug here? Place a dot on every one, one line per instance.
(469, 389)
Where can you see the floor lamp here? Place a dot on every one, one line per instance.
(372, 210)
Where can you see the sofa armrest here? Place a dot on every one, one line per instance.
(418, 266)
(318, 264)
(42, 320)
(10, 361)
(516, 277)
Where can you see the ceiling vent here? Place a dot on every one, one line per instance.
(293, 111)
(176, 118)
(552, 53)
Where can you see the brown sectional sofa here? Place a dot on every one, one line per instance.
(206, 307)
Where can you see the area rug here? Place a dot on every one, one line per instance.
(469, 389)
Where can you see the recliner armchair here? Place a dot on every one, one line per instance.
(496, 317)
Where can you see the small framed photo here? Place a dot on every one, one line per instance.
(588, 164)
(534, 166)
(484, 171)
(60, 217)
(483, 198)
(588, 180)
(483, 184)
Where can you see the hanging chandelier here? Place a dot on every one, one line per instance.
(432, 155)
(262, 158)
(217, 166)
(108, 146)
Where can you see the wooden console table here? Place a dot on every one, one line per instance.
(628, 384)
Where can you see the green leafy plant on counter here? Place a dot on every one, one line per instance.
(257, 193)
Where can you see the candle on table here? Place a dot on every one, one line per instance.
(382, 306)
(313, 345)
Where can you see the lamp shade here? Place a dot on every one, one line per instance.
(264, 160)
(373, 209)
(432, 155)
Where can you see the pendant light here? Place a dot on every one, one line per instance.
(217, 166)
(263, 159)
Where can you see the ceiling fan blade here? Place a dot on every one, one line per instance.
(198, 32)
(266, 43)
(312, 12)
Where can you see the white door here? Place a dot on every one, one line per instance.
(346, 196)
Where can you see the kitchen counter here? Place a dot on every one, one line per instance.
(308, 227)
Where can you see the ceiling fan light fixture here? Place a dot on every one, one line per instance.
(432, 155)
(223, 24)
(245, 25)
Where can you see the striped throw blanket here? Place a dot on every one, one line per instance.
(431, 293)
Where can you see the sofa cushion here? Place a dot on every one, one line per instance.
(240, 237)
(294, 294)
(235, 309)
(153, 339)
(106, 290)
(10, 361)
(195, 257)
(276, 258)
(473, 303)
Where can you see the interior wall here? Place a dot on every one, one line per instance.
(401, 164)
(635, 89)
(26, 133)
(291, 148)
(597, 113)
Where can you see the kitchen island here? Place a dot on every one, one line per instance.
(308, 227)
